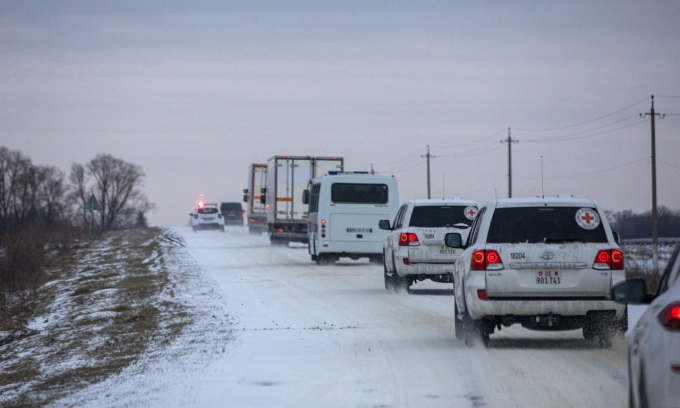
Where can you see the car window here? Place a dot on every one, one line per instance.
(435, 216)
(207, 211)
(546, 224)
(356, 193)
(231, 207)
(475, 227)
(400, 217)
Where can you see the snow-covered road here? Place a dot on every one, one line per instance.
(332, 336)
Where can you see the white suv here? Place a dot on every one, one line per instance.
(206, 216)
(545, 263)
(414, 249)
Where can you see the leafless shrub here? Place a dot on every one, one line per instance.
(22, 273)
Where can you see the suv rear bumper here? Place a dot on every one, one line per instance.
(422, 268)
(479, 309)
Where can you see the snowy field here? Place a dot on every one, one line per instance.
(332, 336)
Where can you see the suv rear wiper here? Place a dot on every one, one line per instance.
(558, 240)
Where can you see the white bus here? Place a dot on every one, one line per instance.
(345, 210)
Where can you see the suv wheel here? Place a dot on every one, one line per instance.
(458, 324)
(388, 278)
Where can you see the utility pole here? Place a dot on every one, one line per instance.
(655, 219)
(428, 156)
(509, 141)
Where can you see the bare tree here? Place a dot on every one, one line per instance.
(118, 189)
(80, 179)
(52, 195)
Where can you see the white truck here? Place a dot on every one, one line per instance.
(414, 247)
(255, 209)
(287, 178)
(344, 215)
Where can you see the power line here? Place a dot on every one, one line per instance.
(569, 137)
(581, 132)
(668, 96)
(471, 152)
(457, 146)
(583, 123)
(588, 173)
(669, 164)
(417, 154)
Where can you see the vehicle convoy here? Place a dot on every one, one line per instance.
(545, 263)
(256, 212)
(232, 213)
(344, 212)
(414, 249)
(654, 353)
(206, 216)
(287, 178)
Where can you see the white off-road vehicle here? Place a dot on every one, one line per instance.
(206, 216)
(545, 263)
(414, 249)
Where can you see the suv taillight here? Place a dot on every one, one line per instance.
(486, 259)
(408, 239)
(609, 259)
(670, 317)
(219, 215)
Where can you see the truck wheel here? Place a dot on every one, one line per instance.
(325, 259)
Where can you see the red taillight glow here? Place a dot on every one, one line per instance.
(670, 317)
(408, 238)
(279, 230)
(406, 261)
(323, 221)
(201, 204)
(481, 294)
(609, 259)
(241, 215)
(486, 259)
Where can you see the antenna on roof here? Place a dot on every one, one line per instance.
(542, 190)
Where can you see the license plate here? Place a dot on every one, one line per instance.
(549, 278)
(447, 251)
(207, 219)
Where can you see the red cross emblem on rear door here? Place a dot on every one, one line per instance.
(587, 218)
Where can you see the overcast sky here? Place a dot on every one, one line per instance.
(195, 91)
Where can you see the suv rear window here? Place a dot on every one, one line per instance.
(432, 216)
(230, 207)
(345, 193)
(211, 210)
(541, 225)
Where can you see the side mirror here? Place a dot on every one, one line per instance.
(245, 198)
(453, 240)
(617, 237)
(245, 191)
(263, 199)
(191, 214)
(305, 196)
(632, 291)
(385, 225)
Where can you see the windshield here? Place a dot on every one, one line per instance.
(439, 216)
(546, 225)
(345, 193)
(207, 210)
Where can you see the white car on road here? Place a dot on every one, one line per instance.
(414, 249)
(206, 216)
(545, 263)
(654, 354)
